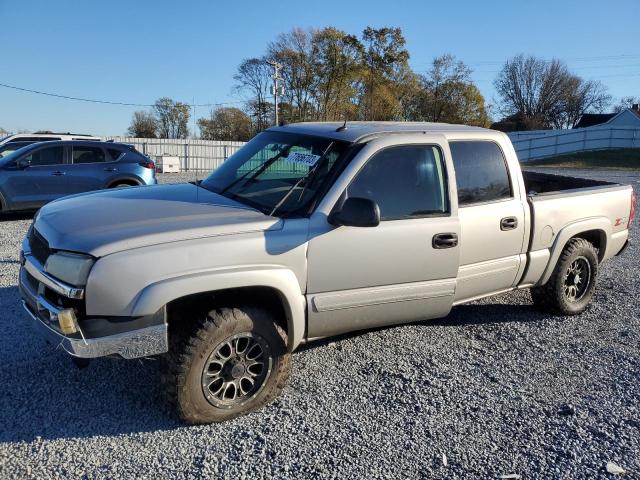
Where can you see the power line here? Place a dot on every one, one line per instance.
(570, 60)
(106, 102)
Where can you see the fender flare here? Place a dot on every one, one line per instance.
(601, 224)
(284, 281)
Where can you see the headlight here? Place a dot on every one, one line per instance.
(71, 268)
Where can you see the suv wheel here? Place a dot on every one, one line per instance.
(571, 286)
(234, 362)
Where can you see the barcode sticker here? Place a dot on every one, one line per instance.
(303, 158)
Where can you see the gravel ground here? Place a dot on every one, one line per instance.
(494, 389)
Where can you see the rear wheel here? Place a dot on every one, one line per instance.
(121, 185)
(572, 283)
(234, 362)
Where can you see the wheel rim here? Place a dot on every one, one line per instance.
(236, 370)
(577, 279)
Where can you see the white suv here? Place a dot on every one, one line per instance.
(14, 142)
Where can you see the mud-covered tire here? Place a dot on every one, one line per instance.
(195, 352)
(553, 297)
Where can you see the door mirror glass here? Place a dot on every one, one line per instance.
(357, 212)
(24, 163)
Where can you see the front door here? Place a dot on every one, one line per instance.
(398, 271)
(42, 181)
(492, 217)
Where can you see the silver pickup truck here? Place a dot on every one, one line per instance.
(310, 230)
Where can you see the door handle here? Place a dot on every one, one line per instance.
(58, 173)
(110, 169)
(508, 223)
(445, 240)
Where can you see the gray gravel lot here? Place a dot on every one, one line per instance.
(497, 387)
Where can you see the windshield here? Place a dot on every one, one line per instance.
(11, 151)
(8, 148)
(278, 173)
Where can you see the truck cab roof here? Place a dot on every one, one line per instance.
(355, 132)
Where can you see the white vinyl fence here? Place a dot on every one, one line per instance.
(195, 155)
(548, 143)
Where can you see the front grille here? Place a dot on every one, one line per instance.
(39, 246)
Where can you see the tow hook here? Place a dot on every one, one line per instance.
(81, 363)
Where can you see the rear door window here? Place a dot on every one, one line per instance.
(83, 154)
(114, 154)
(481, 172)
(46, 156)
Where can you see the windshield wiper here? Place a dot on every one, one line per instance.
(307, 177)
(258, 169)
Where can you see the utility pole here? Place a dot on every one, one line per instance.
(275, 89)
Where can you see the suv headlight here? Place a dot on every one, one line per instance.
(71, 268)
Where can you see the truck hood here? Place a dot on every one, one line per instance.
(110, 221)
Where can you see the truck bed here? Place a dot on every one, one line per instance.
(538, 183)
(559, 204)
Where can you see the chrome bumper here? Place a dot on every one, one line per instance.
(142, 342)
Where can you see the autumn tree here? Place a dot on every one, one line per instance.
(143, 125)
(230, 124)
(385, 63)
(447, 94)
(172, 118)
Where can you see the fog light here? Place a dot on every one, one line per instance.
(67, 320)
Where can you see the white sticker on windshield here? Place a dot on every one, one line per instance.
(307, 159)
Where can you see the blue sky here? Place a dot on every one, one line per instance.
(138, 51)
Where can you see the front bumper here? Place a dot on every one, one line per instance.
(140, 342)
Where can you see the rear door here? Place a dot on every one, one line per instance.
(393, 273)
(90, 166)
(492, 219)
(42, 181)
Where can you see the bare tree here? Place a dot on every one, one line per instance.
(172, 118)
(581, 96)
(532, 86)
(295, 52)
(626, 102)
(254, 78)
(143, 125)
(545, 91)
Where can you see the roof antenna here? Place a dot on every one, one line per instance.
(343, 127)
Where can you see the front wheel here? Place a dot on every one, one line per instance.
(234, 362)
(570, 288)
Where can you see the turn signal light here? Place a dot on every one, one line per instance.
(68, 321)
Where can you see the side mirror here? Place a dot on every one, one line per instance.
(357, 212)
(23, 163)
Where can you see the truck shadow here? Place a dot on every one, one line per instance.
(462, 315)
(45, 396)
